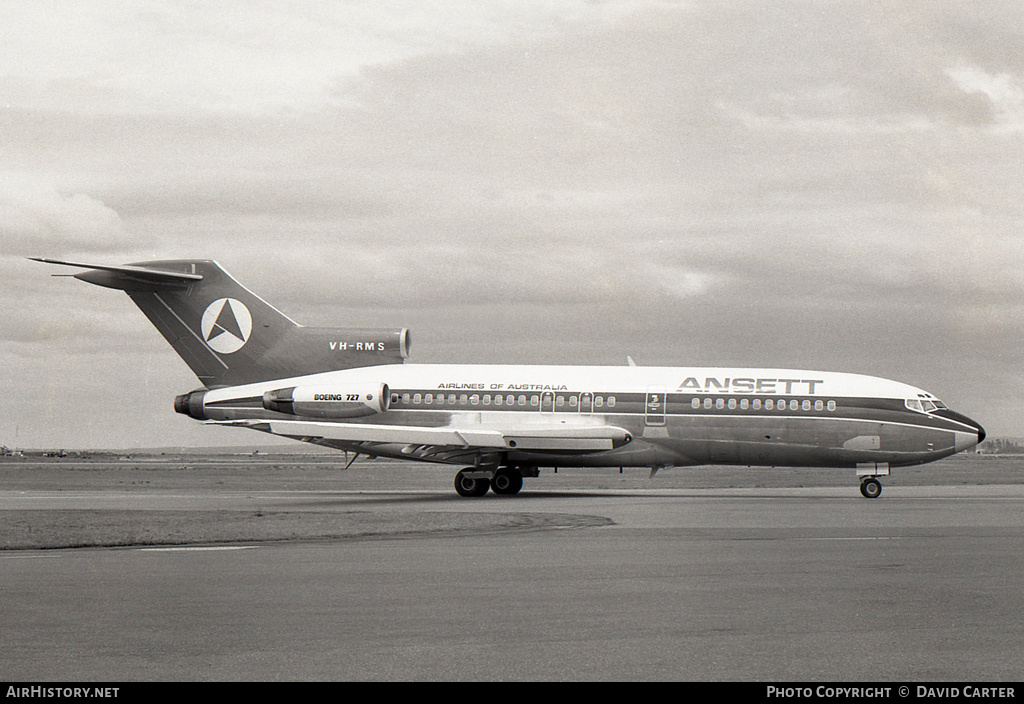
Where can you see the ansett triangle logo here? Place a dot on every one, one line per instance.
(226, 325)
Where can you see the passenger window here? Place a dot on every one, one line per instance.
(831, 405)
(522, 399)
(819, 405)
(695, 403)
(474, 400)
(806, 405)
(599, 401)
(611, 402)
(769, 404)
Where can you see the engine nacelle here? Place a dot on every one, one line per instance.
(329, 401)
(191, 404)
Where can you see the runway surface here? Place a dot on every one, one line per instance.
(560, 583)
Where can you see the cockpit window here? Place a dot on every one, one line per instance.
(924, 405)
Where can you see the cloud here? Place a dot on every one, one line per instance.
(739, 183)
(37, 219)
(118, 57)
(1003, 91)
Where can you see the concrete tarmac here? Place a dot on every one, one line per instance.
(735, 584)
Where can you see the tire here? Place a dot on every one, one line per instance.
(467, 486)
(870, 488)
(507, 481)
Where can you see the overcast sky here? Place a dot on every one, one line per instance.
(819, 185)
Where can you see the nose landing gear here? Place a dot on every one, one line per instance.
(871, 488)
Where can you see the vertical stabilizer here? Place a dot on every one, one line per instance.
(228, 335)
(223, 331)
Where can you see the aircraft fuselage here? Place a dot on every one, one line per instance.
(672, 416)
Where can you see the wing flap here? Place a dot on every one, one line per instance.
(354, 432)
(567, 438)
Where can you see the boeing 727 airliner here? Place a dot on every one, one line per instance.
(350, 389)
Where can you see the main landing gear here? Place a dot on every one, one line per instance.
(468, 483)
(504, 481)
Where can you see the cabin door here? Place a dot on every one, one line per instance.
(654, 413)
(547, 402)
(586, 402)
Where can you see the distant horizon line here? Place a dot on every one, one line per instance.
(212, 449)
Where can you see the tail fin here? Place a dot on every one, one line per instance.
(228, 335)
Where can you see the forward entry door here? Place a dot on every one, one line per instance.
(654, 413)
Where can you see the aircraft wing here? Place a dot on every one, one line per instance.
(559, 438)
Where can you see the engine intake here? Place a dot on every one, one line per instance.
(329, 402)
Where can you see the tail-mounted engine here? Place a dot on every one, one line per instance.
(328, 401)
(192, 404)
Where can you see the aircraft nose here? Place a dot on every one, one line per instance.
(967, 440)
(977, 428)
(972, 433)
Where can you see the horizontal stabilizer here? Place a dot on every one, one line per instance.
(580, 439)
(130, 277)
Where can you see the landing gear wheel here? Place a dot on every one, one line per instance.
(871, 488)
(469, 486)
(507, 481)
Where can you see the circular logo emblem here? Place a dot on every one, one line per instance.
(226, 325)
